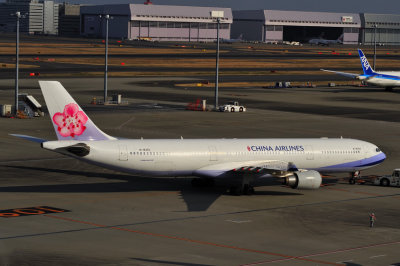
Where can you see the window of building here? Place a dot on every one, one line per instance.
(213, 25)
(203, 25)
(224, 26)
(153, 24)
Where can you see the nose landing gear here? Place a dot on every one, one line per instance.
(354, 176)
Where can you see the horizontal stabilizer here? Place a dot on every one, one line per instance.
(30, 138)
(349, 75)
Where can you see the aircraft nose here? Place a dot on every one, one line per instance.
(380, 158)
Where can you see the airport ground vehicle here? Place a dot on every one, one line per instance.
(232, 107)
(389, 180)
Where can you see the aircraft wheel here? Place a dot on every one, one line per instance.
(235, 191)
(248, 190)
(209, 182)
(352, 181)
(195, 182)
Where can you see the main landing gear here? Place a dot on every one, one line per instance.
(203, 182)
(354, 176)
(242, 185)
(241, 190)
(239, 185)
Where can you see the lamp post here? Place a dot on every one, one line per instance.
(375, 26)
(18, 16)
(107, 18)
(217, 15)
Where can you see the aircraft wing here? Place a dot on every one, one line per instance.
(259, 168)
(349, 75)
(273, 168)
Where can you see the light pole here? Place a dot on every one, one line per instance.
(107, 18)
(18, 16)
(217, 15)
(375, 26)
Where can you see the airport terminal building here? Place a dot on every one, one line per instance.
(273, 26)
(156, 22)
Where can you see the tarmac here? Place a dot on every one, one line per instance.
(103, 217)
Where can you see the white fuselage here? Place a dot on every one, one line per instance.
(385, 79)
(216, 157)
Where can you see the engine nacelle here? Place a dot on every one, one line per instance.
(304, 180)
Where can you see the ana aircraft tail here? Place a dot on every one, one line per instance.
(365, 64)
(69, 120)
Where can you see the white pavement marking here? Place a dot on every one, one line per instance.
(239, 221)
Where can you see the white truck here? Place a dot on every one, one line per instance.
(389, 180)
(232, 107)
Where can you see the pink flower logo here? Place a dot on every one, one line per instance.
(71, 122)
(248, 148)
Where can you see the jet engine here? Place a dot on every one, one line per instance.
(304, 180)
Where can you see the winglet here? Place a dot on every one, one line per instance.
(365, 64)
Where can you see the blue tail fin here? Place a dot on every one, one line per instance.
(365, 64)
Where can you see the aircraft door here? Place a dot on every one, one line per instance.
(123, 153)
(213, 153)
(309, 153)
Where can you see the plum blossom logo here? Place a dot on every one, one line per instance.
(71, 122)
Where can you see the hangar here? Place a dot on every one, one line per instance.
(277, 26)
(156, 22)
(387, 29)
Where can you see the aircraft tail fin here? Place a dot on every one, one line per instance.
(69, 120)
(341, 38)
(365, 64)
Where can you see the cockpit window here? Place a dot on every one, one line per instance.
(378, 150)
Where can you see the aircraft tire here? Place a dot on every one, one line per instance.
(235, 191)
(197, 182)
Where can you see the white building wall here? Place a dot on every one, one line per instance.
(161, 23)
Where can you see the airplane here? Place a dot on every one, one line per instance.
(298, 163)
(388, 80)
(320, 41)
(230, 41)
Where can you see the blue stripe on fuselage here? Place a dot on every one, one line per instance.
(384, 76)
(377, 159)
